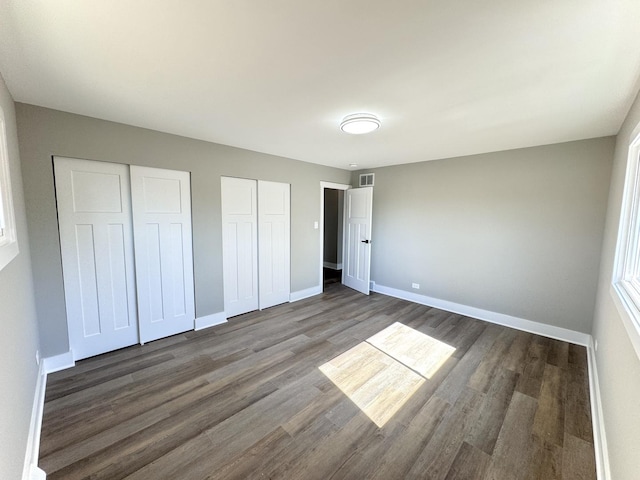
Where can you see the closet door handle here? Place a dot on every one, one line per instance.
(365, 241)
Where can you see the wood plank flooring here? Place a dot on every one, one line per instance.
(434, 395)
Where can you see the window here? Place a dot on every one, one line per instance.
(626, 272)
(8, 238)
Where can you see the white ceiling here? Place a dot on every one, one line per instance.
(446, 77)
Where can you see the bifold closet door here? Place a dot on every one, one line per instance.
(96, 240)
(274, 244)
(161, 201)
(256, 217)
(239, 245)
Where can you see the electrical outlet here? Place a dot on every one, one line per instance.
(415, 285)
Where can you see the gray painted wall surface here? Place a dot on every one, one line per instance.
(618, 364)
(44, 132)
(516, 232)
(19, 339)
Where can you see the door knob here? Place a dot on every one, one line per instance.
(365, 241)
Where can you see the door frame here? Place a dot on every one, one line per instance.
(334, 186)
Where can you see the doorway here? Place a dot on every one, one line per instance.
(331, 237)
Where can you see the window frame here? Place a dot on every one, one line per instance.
(8, 235)
(625, 284)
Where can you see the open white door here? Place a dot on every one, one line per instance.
(239, 245)
(274, 212)
(94, 213)
(357, 239)
(161, 202)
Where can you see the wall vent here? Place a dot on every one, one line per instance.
(366, 179)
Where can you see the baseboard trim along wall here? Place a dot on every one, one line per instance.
(58, 362)
(333, 266)
(30, 470)
(210, 320)
(530, 326)
(599, 435)
(306, 293)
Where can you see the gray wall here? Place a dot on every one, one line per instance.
(44, 132)
(618, 364)
(516, 232)
(19, 339)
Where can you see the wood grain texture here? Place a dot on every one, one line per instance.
(249, 400)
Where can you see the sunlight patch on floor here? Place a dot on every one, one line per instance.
(380, 374)
(416, 350)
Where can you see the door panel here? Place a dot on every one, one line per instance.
(96, 240)
(274, 210)
(117, 262)
(88, 280)
(357, 261)
(161, 201)
(152, 273)
(239, 245)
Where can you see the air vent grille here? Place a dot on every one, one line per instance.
(366, 179)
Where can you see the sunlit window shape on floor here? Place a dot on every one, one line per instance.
(380, 374)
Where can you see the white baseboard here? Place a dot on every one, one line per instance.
(530, 326)
(333, 266)
(36, 473)
(599, 435)
(30, 470)
(58, 362)
(306, 293)
(210, 320)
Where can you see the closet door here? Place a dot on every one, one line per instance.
(94, 215)
(274, 245)
(239, 245)
(161, 202)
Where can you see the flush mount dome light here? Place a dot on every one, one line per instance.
(360, 123)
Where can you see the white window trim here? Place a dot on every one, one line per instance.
(8, 236)
(625, 284)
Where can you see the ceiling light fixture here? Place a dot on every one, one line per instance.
(359, 123)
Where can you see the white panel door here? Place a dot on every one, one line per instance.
(161, 201)
(357, 239)
(274, 226)
(239, 245)
(94, 215)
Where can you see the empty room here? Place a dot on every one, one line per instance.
(319, 240)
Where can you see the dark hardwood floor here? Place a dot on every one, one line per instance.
(339, 386)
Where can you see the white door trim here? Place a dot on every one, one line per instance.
(323, 185)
